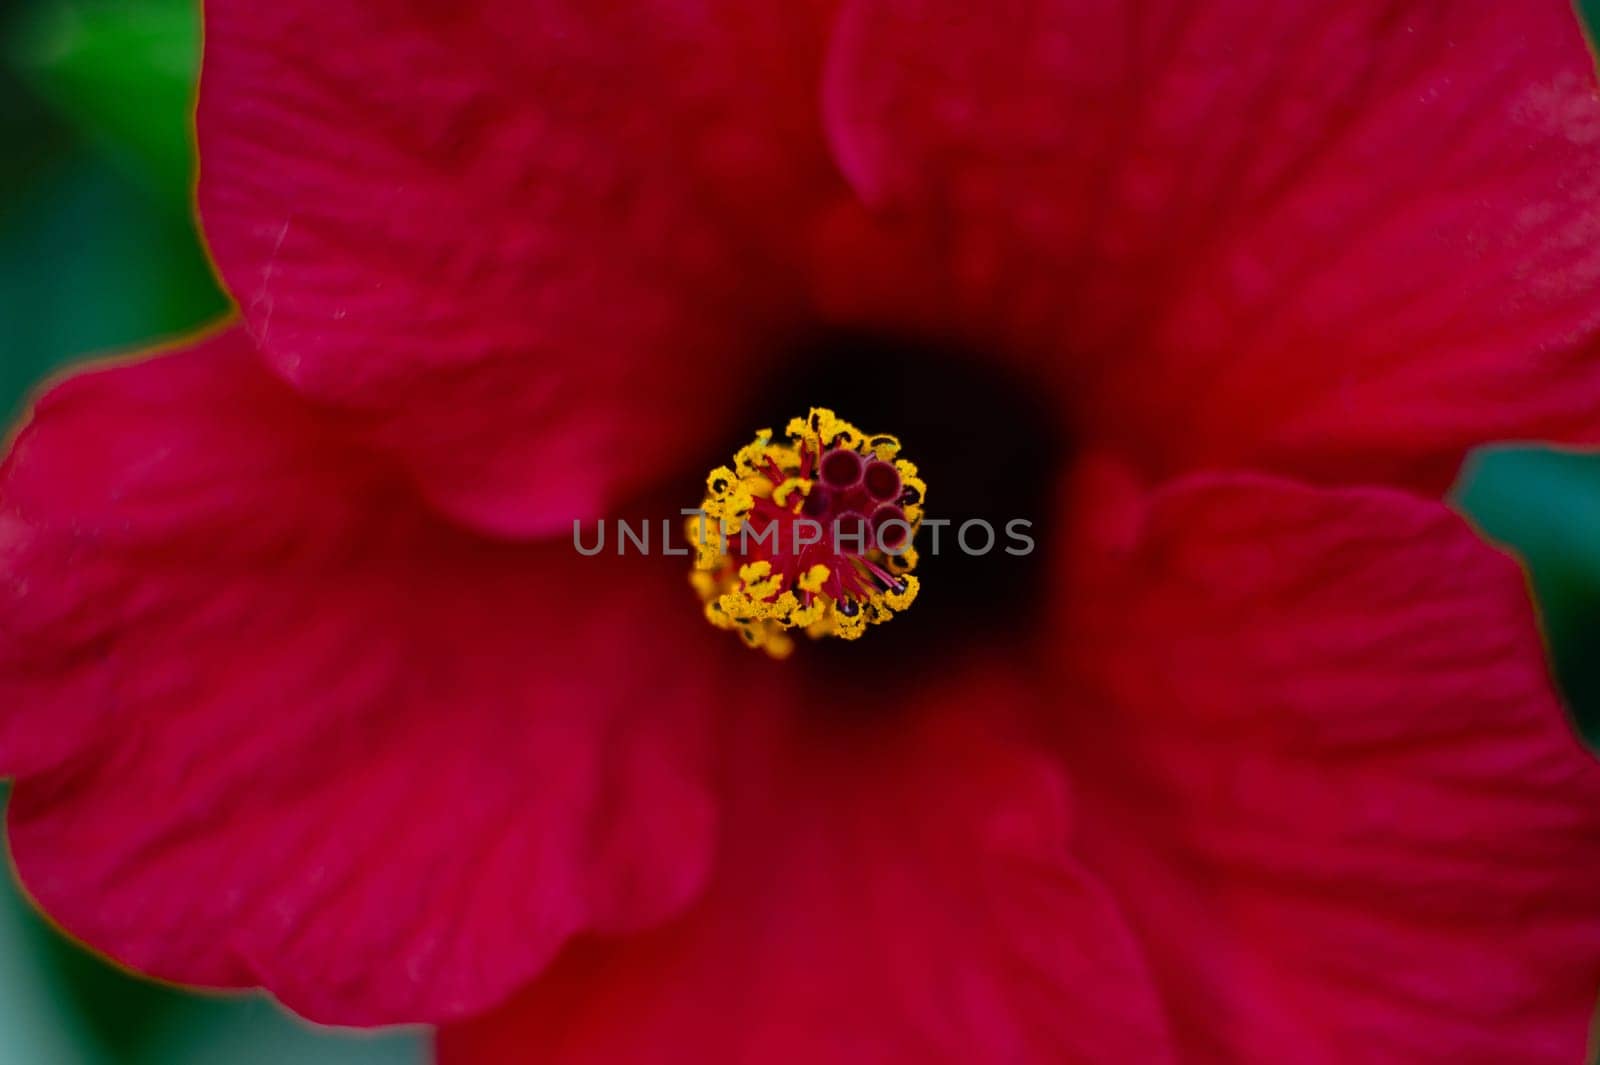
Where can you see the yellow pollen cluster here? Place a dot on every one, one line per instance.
(751, 571)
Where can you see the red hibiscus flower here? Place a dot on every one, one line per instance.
(1255, 759)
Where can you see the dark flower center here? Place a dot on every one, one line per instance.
(985, 442)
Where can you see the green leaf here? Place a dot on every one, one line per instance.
(1589, 10)
(35, 1022)
(124, 72)
(92, 265)
(1545, 505)
(257, 1032)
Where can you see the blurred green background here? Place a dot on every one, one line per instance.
(98, 251)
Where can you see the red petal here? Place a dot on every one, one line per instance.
(273, 724)
(1343, 239)
(522, 242)
(1330, 780)
(881, 901)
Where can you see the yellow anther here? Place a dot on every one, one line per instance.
(781, 494)
(884, 447)
(778, 585)
(902, 599)
(813, 578)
